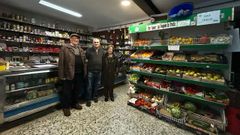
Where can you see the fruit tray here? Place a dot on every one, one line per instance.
(169, 117)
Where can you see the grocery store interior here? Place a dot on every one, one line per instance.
(123, 67)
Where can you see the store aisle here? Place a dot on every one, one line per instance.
(111, 118)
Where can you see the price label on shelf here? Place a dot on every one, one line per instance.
(133, 100)
(212, 17)
(173, 47)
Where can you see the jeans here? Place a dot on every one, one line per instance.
(71, 91)
(94, 80)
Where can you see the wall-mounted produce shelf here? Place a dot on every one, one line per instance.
(185, 64)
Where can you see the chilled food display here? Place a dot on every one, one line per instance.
(29, 95)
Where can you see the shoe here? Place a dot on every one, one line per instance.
(95, 100)
(88, 104)
(66, 112)
(77, 106)
(106, 99)
(112, 99)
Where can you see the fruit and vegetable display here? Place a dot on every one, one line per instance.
(161, 69)
(156, 83)
(142, 42)
(217, 96)
(187, 73)
(133, 78)
(148, 68)
(142, 55)
(221, 39)
(181, 57)
(168, 56)
(190, 107)
(204, 39)
(174, 40)
(137, 67)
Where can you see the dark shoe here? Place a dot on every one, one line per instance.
(88, 104)
(106, 99)
(112, 99)
(66, 112)
(95, 100)
(77, 106)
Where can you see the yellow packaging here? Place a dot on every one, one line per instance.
(2, 67)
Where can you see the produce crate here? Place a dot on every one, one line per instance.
(169, 117)
(219, 124)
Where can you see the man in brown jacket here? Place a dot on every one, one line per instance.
(72, 69)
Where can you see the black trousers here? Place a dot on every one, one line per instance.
(71, 90)
(108, 89)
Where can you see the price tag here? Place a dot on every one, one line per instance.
(133, 100)
(184, 23)
(173, 47)
(212, 17)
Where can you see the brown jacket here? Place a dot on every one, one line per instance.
(66, 64)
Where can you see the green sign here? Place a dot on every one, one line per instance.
(206, 18)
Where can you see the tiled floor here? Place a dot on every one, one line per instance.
(102, 118)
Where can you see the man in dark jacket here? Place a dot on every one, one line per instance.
(94, 65)
(72, 69)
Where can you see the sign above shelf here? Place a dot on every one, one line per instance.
(206, 18)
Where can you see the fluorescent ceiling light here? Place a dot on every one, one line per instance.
(59, 8)
(125, 3)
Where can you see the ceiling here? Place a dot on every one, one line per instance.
(96, 13)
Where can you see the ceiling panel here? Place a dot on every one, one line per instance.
(96, 13)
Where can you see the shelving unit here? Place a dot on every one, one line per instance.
(183, 80)
(185, 64)
(40, 26)
(220, 87)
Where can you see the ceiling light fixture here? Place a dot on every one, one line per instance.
(59, 8)
(125, 3)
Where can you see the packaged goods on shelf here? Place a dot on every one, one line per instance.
(3, 65)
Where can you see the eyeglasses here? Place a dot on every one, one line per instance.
(95, 42)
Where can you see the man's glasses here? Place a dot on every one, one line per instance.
(95, 42)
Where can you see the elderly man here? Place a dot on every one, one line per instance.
(72, 69)
(94, 64)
